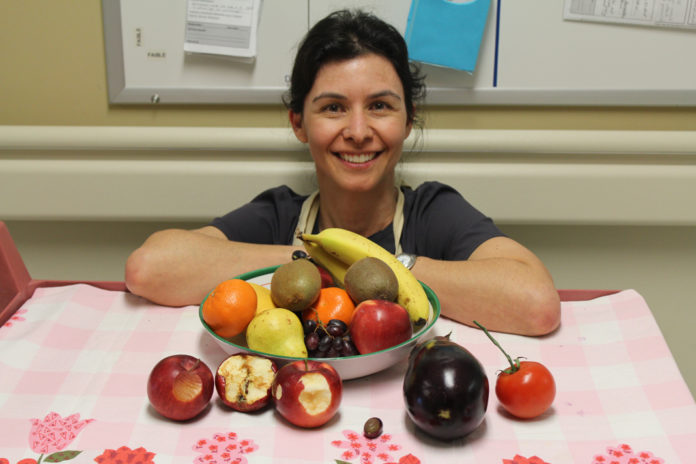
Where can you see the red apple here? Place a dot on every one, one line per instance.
(180, 387)
(327, 279)
(378, 325)
(243, 381)
(307, 393)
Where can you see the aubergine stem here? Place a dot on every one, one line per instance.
(514, 365)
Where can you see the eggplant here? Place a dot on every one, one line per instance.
(445, 389)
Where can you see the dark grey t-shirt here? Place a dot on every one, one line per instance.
(438, 222)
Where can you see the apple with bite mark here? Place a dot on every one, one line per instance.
(180, 387)
(307, 393)
(243, 381)
(378, 325)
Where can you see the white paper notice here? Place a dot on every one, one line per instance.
(662, 13)
(222, 27)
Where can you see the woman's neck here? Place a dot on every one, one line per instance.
(364, 213)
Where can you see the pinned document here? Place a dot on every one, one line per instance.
(222, 27)
(446, 33)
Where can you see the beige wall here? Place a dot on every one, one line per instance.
(52, 73)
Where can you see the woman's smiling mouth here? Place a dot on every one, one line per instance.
(358, 158)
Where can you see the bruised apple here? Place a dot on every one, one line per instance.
(307, 393)
(180, 387)
(378, 325)
(243, 381)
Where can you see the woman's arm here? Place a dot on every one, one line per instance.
(177, 267)
(502, 285)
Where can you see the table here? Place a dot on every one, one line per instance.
(74, 361)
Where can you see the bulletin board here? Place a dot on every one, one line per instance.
(529, 55)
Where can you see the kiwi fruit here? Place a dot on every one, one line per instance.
(371, 279)
(295, 285)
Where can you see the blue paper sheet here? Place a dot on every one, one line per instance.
(444, 33)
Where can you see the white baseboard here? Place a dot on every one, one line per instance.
(189, 173)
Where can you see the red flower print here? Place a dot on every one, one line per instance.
(369, 451)
(522, 460)
(125, 454)
(623, 454)
(223, 449)
(54, 432)
(409, 459)
(16, 317)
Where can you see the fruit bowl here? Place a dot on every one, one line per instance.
(349, 367)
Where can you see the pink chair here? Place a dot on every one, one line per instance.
(17, 286)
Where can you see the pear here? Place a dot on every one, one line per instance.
(277, 331)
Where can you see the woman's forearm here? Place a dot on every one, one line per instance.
(504, 294)
(179, 267)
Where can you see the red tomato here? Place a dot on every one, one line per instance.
(528, 392)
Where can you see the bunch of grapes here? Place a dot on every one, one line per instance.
(330, 341)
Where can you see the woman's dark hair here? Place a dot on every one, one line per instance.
(347, 34)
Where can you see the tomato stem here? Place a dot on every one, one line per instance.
(514, 365)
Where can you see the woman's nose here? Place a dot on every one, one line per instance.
(357, 128)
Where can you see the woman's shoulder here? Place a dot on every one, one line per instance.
(280, 195)
(428, 191)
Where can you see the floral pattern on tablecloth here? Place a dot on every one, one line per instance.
(16, 317)
(522, 460)
(624, 454)
(125, 455)
(223, 448)
(49, 438)
(371, 450)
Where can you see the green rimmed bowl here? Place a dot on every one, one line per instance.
(349, 367)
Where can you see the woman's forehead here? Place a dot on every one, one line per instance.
(369, 72)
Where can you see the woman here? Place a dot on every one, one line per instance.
(352, 101)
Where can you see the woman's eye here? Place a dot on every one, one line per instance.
(380, 106)
(332, 108)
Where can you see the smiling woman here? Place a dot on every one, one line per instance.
(353, 101)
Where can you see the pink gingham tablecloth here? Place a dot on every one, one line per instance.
(74, 363)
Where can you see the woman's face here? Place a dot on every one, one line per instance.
(355, 123)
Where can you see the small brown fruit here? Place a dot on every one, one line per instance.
(295, 285)
(371, 279)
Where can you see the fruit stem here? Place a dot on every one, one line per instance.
(514, 365)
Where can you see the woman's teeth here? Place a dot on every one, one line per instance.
(357, 157)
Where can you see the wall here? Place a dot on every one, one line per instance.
(61, 82)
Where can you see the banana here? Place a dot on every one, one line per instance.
(335, 267)
(347, 247)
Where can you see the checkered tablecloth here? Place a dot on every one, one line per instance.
(74, 362)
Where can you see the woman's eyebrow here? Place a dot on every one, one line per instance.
(338, 96)
(331, 95)
(385, 93)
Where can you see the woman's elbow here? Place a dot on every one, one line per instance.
(545, 312)
(137, 276)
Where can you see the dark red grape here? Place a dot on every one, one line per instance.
(335, 330)
(348, 349)
(312, 341)
(309, 325)
(325, 342)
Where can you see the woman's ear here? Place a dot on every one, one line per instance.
(297, 126)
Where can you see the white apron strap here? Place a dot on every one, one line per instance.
(310, 208)
(398, 221)
(308, 216)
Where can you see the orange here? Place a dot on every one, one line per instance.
(333, 303)
(230, 307)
